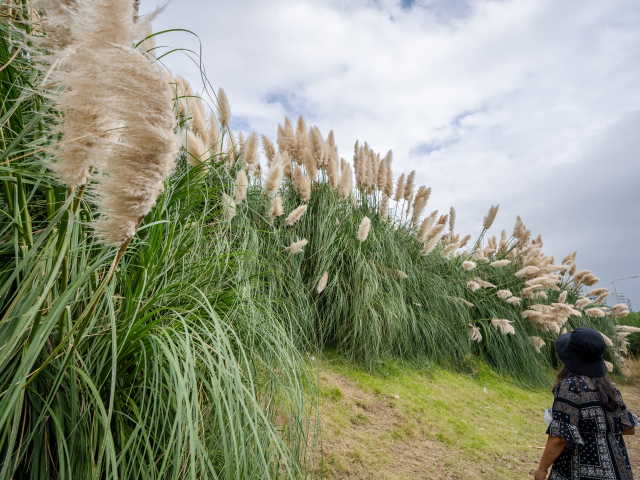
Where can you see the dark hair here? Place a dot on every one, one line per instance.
(606, 390)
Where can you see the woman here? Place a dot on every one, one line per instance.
(589, 417)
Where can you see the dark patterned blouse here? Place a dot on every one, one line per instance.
(596, 449)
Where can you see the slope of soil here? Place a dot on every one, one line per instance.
(407, 423)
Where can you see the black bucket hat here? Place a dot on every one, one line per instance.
(582, 351)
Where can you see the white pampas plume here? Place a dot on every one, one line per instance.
(607, 340)
(578, 276)
(333, 167)
(583, 302)
(309, 163)
(388, 187)
(572, 270)
(275, 175)
(323, 282)
(449, 249)
(346, 182)
(295, 215)
(286, 138)
(504, 326)
(596, 292)
(600, 300)
(513, 300)
(301, 140)
(504, 294)
(224, 110)
(468, 265)
(382, 174)
(302, 184)
(490, 217)
(609, 366)
(500, 263)
(430, 245)
(473, 286)
(318, 147)
(452, 219)
(408, 187)
(464, 241)
(384, 207)
(240, 189)
(594, 312)
(435, 232)
(296, 247)
(276, 208)
(562, 297)
(363, 230)
(537, 343)
(212, 140)
(117, 99)
(194, 147)
(627, 329)
(250, 156)
(590, 280)
(530, 270)
(418, 207)
(399, 189)
(427, 223)
(484, 284)
(269, 149)
(228, 207)
(474, 333)
(287, 165)
(569, 258)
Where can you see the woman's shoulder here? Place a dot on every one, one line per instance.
(568, 388)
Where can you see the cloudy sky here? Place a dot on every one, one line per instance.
(533, 105)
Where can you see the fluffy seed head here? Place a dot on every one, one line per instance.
(427, 223)
(275, 175)
(468, 265)
(408, 187)
(388, 187)
(418, 207)
(296, 247)
(504, 326)
(384, 207)
(346, 182)
(452, 219)
(504, 294)
(474, 333)
(269, 149)
(224, 109)
(490, 217)
(323, 282)
(473, 286)
(583, 302)
(399, 189)
(537, 343)
(295, 215)
(194, 147)
(228, 207)
(363, 230)
(513, 300)
(594, 312)
(276, 208)
(606, 339)
(530, 270)
(309, 163)
(500, 263)
(609, 366)
(562, 297)
(302, 184)
(430, 245)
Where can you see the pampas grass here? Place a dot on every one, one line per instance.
(468, 265)
(537, 343)
(594, 312)
(514, 300)
(563, 297)
(295, 215)
(276, 209)
(500, 263)
(268, 149)
(275, 176)
(430, 245)
(606, 339)
(309, 163)
(426, 225)
(504, 294)
(302, 184)
(194, 147)
(346, 182)
(363, 230)
(228, 207)
(408, 187)
(323, 282)
(504, 325)
(224, 109)
(474, 334)
(399, 189)
(530, 270)
(241, 186)
(452, 219)
(490, 217)
(296, 247)
(583, 302)
(473, 286)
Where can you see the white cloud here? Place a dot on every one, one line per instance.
(490, 101)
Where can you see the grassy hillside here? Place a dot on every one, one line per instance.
(158, 288)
